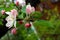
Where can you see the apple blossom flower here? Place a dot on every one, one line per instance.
(11, 19)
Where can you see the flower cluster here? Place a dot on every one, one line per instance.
(11, 18)
(13, 14)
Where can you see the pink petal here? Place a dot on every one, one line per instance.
(33, 9)
(14, 12)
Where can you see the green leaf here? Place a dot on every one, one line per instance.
(23, 10)
(44, 27)
(0, 14)
(36, 15)
(43, 23)
(1, 1)
(21, 16)
(4, 16)
(1, 8)
(11, 6)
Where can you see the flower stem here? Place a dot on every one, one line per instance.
(8, 36)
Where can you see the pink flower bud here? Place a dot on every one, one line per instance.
(29, 9)
(27, 25)
(14, 31)
(3, 11)
(17, 3)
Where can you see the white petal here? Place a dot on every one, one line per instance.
(8, 13)
(15, 24)
(9, 18)
(9, 24)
